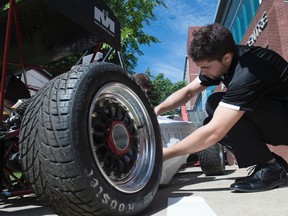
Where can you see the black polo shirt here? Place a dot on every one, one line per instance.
(255, 73)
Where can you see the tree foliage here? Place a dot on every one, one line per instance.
(133, 15)
(6, 6)
(162, 87)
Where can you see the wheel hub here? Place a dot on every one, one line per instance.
(118, 138)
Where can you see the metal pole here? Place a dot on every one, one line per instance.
(5, 56)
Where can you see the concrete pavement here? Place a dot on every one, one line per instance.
(189, 193)
(216, 193)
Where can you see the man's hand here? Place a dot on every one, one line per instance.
(207, 135)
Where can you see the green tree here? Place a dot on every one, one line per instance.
(162, 87)
(5, 6)
(133, 15)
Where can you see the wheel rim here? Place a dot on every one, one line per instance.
(222, 156)
(122, 137)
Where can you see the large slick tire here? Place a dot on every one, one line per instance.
(212, 160)
(100, 142)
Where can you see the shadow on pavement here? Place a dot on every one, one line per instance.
(177, 188)
(22, 206)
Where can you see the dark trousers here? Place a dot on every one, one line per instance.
(267, 124)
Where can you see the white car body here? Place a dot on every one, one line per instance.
(172, 131)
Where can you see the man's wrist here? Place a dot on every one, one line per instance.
(156, 110)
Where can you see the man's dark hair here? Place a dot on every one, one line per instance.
(211, 42)
(143, 81)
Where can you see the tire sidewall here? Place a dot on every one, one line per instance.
(120, 203)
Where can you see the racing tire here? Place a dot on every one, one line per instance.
(100, 142)
(212, 160)
(29, 148)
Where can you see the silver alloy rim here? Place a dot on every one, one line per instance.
(122, 137)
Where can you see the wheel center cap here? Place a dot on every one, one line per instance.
(118, 140)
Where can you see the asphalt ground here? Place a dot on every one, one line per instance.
(188, 193)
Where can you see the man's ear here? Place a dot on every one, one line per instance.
(227, 58)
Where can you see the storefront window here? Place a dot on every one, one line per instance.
(239, 17)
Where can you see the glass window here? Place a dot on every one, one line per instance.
(239, 17)
(233, 7)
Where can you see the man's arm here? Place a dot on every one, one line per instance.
(207, 135)
(180, 97)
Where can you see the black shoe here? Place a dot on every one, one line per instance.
(278, 158)
(264, 177)
(281, 161)
(241, 179)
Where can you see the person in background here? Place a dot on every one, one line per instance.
(251, 113)
(143, 80)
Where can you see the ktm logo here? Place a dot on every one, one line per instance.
(102, 18)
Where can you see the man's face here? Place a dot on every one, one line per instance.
(214, 69)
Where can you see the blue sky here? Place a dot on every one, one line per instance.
(171, 28)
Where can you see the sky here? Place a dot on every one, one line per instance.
(171, 28)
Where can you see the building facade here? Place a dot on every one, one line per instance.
(191, 70)
(257, 22)
(252, 22)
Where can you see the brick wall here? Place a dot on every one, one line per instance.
(193, 69)
(274, 35)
